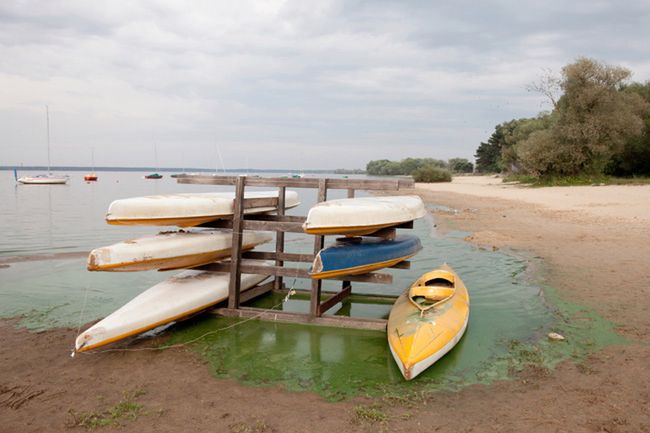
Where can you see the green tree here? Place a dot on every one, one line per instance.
(595, 118)
(460, 165)
(432, 173)
(634, 158)
(488, 155)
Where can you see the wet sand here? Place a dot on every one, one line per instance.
(593, 249)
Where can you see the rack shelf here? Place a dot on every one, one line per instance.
(281, 224)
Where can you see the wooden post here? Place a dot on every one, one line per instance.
(319, 242)
(350, 193)
(235, 267)
(279, 236)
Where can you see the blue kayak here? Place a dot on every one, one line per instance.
(363, 255)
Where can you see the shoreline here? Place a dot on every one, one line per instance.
(585, 257)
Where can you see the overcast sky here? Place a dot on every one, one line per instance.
(288, 84)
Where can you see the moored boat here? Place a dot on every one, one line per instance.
(185, 210)
(91, 177)
(353, 256)
(183, 295)
(171, 250)
(428, 320)
(153, 176)
(363, 215)
(43, 179)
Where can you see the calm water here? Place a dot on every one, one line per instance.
(510, 315)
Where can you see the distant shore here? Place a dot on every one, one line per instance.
(182, 169)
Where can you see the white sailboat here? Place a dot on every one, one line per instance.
(49, 178)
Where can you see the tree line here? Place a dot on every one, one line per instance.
(422, 169)
(599, 124)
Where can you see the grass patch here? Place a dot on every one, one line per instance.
(257, 427)
(525, 356)
(370, 413)
(406, 398)
(576, 180)
(127, 409)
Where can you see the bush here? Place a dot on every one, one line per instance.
(431, 173)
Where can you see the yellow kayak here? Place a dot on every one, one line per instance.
(428, 320)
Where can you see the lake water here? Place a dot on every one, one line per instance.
(509, 314)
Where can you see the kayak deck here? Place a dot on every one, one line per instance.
(428, 320)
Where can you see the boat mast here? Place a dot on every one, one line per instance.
(47, 120)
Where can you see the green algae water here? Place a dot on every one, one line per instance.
(510, 312)
(510, 317)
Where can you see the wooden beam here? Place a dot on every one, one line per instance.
(262, 202)
(235, 263)
(393, 184)
(256, 291)
(387, 233)
(288, 257)
(359, 298)
(282, 218)
(279, 237)
(335, 299)
(319, 243)
(284, 316)
(292, 227)
(374, 277)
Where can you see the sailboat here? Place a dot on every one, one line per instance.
(154, 175)
(91, 177)
(49, 178)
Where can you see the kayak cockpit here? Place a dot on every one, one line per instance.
(432, 289)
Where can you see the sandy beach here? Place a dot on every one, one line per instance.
(593, 244)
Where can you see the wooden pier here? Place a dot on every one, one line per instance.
(281, 224)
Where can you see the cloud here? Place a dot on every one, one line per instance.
(287, 83)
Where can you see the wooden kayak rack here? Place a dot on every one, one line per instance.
(281, 223)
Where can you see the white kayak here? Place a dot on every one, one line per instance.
(363, 215)
(178, 297)
(171, 250)
(185, 210)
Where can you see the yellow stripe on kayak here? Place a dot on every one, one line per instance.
(356, 270)
(168, 221)
(167, 264)
(349, 230)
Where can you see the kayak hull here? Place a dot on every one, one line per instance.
(354, 258)
(363, 215)
(185, 210)
(168, 251)
(178, 297)
(417, 338)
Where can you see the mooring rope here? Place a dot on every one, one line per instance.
(291, 292)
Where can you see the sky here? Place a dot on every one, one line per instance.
(288, 84)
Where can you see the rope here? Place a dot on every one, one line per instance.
(81, 314)
(291, 292)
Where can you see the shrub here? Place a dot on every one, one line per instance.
(431, 173)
